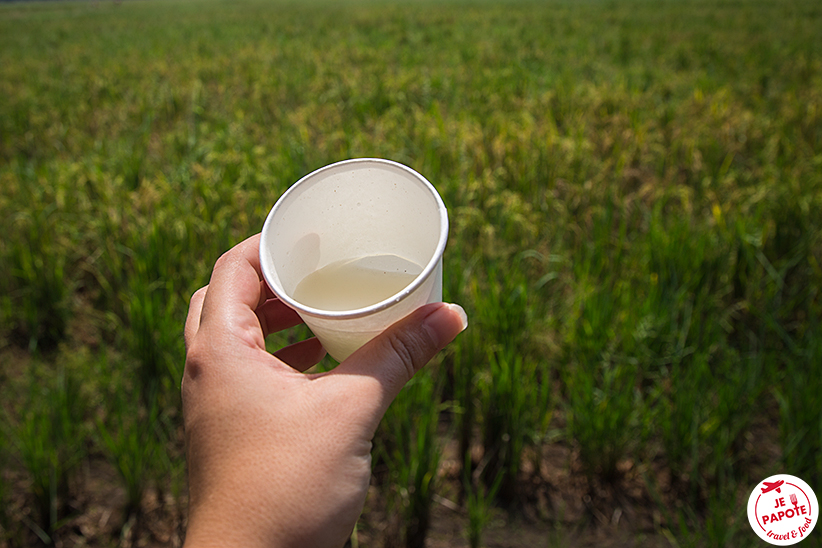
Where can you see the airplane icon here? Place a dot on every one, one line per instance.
(771, 486)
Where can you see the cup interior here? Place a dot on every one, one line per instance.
(347, 211)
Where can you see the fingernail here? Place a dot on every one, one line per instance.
(461, 311)
(441, 324)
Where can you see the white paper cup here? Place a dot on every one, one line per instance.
(349, 210)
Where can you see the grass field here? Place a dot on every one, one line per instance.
(635, 196)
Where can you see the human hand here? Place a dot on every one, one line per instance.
(277, 457)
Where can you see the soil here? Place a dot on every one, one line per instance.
(557, 508)
(557, 504)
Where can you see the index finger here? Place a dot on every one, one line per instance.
(234, 293)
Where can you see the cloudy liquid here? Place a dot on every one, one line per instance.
(351, 284)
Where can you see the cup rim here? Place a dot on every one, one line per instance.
(272, 280)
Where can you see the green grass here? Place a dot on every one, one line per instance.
(409, 450)
(479, 501)
(131, 444)
(50, 441)
(635, 197)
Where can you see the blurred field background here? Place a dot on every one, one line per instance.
(635, 194)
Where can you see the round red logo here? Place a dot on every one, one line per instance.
(783, 510)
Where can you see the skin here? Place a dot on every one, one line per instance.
(278, 457)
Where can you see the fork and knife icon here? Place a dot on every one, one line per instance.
(777, 486)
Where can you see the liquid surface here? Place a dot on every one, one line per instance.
(357, 283)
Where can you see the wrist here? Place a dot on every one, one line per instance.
(220, 522)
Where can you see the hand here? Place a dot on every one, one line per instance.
(277, 457)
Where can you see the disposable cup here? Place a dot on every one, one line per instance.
(369, 210)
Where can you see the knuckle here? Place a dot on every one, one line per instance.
(199, 295)
(195, 362)
(408, 348)
(226, 261)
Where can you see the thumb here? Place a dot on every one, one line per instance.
(394, 356)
